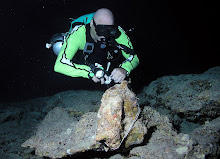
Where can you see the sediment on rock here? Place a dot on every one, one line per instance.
(63, 124)
(60, 134)
(187, 99)
(112, 129)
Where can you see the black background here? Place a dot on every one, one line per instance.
(170, 38)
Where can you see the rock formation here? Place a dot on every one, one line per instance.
(59, 134)
(186, 99)
(164, 141)
(117, 102)
(179, 118)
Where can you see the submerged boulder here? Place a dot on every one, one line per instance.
(194, 97)
(115, 101)
(206, 139)
(152, 129)
(163, 141)
(60, 134)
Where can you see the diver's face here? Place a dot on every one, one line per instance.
(94, 34)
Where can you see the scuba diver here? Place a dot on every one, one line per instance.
(94, 48)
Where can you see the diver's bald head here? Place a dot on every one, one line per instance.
(104, 16)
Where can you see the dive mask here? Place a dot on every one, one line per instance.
(106, 30)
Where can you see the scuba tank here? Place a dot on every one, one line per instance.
(57, 40)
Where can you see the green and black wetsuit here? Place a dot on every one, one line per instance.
(67, 63)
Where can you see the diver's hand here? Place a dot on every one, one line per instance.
(102, 80)
(118, 75)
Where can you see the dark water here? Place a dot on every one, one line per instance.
(169, 38)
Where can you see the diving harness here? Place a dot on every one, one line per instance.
(112, 47)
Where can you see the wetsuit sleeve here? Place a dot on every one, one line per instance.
(73, 43)
(131, 62)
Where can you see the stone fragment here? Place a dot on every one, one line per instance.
(164, 141)
(119, 107)
(207, 138)
(60, 134)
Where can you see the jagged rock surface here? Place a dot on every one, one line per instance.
(164, 141)
(207, 138)
(159, 117)
(186, 98)
(60, 134)
(115, 101)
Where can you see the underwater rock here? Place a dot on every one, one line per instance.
(164, 145)
(11, 114)
(109, 118)
(19, 120)
(164, 141)
(69, 128)
(60, 134)
(118, 102)
(207, 138)
(194, 97)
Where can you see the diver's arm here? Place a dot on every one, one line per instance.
(131, 61)
(64, 65)
(67, 67)
(130, 65)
